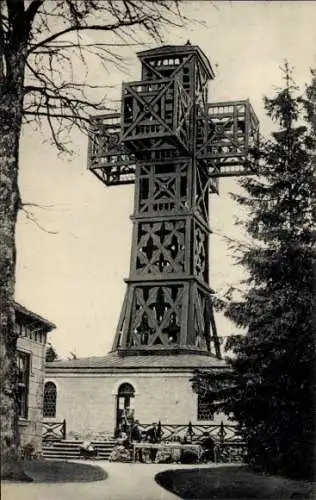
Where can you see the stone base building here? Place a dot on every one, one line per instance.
(32, 332)
(95, 395)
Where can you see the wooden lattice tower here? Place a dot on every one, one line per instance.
(174, 146)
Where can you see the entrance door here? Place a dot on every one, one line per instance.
(124, 407)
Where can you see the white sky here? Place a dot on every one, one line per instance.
(75, 277)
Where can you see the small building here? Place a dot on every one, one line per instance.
(32, 332)
(95, 396)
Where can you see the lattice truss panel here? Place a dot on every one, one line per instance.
(157, 315)
(199, 334)
(169, 315)
(202, 335)
(187, 67)
(163, 188)
(160, 247)
(202, 187)
(201, 82)
(108, 158)
(225, 136)
(200, 252)
(158, 108)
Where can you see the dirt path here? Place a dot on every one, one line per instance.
(125, 482)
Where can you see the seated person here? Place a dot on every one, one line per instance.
(87, 450)
(153, 433)
(122, 450)
(207, 445)
(188, 436)
(120, 454)
(186, 439)
(123, 439)
(143, 437)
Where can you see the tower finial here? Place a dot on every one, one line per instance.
(188, 42)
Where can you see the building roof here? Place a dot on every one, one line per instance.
(168, 50)
(153, 361)
(44, 323)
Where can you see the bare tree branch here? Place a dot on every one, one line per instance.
(38, 205)
(32, 10)
(31, 217)
(235, 241)
(55, 90)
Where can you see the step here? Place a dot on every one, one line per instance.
(70, 449)
(58, 456)
(72, 452)
(66, 458)
(66, 447)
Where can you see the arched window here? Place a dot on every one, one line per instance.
(50, 398)
(126, 390)
(204, 412)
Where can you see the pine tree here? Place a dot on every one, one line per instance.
(51, 353)
(270, 387)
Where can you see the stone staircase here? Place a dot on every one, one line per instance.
(69, 450)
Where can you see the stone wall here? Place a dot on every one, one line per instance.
(87, 401)
(31, 427)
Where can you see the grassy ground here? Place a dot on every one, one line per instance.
(231, 483)
(48, 471)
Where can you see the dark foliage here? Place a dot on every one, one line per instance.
(49, 471)
(231, 482)
(269, 387)
(51, 354)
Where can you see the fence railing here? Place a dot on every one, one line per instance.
(54, 431)
(221, 433)
(229, 445)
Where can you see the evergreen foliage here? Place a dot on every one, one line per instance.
(51, 354)
(269, 388)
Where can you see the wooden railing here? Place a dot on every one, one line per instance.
(229, 446)
(54, 431)
(221, 433)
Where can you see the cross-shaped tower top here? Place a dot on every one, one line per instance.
(174, 146)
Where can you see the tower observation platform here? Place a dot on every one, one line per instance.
(174, 146)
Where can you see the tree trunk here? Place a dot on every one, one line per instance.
(11, 105)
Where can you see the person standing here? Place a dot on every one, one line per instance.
(136, 437)
(136, 432)
(154, 438)
(207, 445)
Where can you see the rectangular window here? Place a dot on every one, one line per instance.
(203, 409)
(23, 362)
